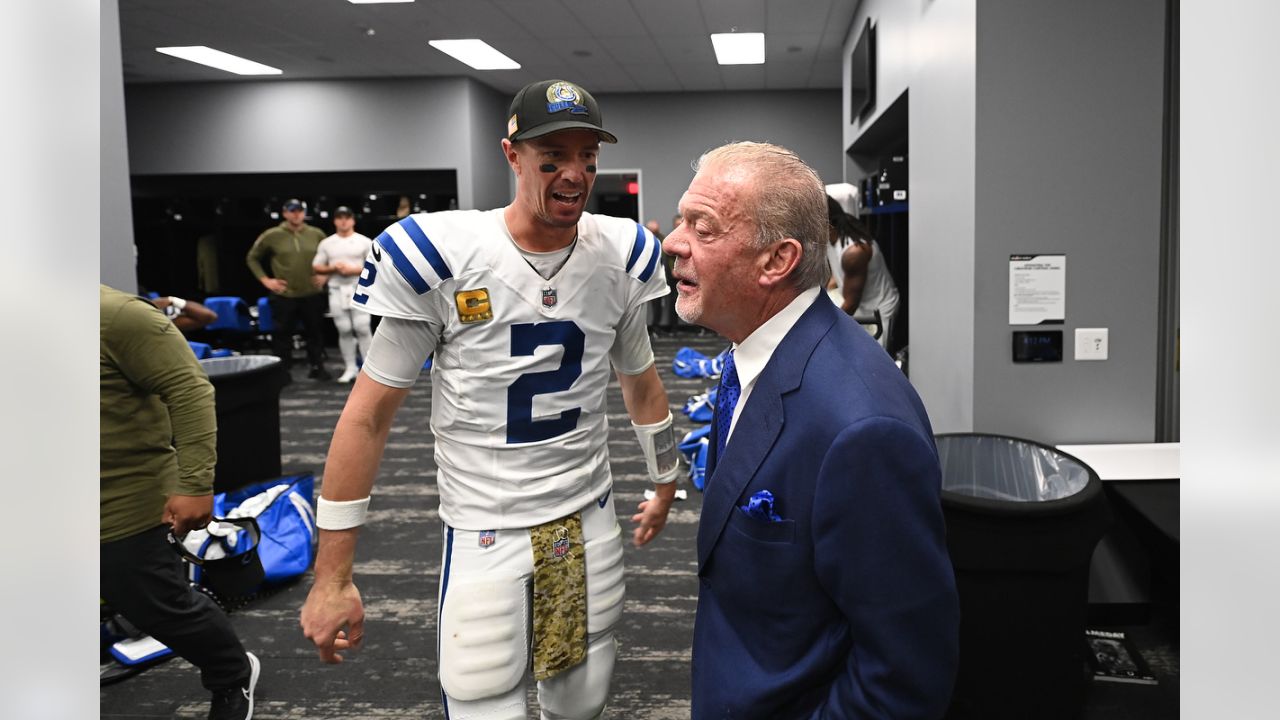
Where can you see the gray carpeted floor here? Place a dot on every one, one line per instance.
(397, 568)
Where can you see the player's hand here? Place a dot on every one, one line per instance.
(185, 513)
(331, 607)
(275, 285)
(346, 268)
(653, 514)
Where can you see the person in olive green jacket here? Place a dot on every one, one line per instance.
(158, 432)
(290, 247)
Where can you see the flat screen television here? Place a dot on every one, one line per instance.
(862, 73)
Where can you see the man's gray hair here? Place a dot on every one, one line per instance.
(787, 199)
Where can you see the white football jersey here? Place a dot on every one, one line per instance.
(522, 362)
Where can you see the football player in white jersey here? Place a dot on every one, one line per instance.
(525, 307)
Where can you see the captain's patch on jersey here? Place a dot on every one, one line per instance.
(473, 305)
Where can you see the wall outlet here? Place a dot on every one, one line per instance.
(1091, 343)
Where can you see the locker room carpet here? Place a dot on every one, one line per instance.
(397, 568)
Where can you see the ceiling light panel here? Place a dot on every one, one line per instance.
(738, 48)
(220, 60)
(476, 53)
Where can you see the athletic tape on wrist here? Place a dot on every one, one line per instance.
(341, 514)
(658, 443)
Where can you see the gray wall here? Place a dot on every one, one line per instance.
(116, 262)
(663, 133)
(1069, 113)
(284, 126)
(492, 181)
(928, 50)
(1033, 127)
(304, 126)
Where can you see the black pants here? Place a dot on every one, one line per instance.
(142, 579)
(285, 313)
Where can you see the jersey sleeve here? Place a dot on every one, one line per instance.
(399, 350)
(632, 353)
(643, 264)
(402, 273)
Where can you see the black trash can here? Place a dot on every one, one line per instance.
(1022, 522)
(247, 394)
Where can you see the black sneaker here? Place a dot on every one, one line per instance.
(318, 372)
(236, 703)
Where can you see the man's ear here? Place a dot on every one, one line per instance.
(513, 158)
(780, 260)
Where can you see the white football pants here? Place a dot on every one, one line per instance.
(353, 325)
(486, 618)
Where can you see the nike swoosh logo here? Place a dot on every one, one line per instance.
(377, 253)
(604, 499)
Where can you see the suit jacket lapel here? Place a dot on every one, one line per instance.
(760, 422)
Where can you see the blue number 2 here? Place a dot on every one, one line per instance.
(366, 279)
(525, 338)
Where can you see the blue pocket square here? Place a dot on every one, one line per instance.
(760, 506)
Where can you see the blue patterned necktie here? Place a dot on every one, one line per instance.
(726, 400)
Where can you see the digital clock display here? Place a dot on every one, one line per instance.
(1030, 346)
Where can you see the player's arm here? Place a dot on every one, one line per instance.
(647, 404)
(352, 464)
(187, 315)
(854, 261)
(646, 401)
(257, 254)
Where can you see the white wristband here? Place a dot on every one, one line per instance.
(658, 443)
(341, 514)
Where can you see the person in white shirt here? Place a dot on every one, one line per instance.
(529, 310)
(860, 280)
(339, 261)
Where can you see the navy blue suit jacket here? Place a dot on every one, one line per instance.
(846, 608)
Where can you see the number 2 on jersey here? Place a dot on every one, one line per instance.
(366, 279)
(525, 338)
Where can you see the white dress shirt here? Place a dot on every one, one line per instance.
(752, 354)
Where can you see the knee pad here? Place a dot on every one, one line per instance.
(341, 320)
(484, 643)
(605, 583)
(581, 692)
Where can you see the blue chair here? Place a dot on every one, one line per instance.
(233, 314)
(265, 324)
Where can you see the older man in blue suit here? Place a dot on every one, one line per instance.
(826, 589)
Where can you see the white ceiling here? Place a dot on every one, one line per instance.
(606, 45)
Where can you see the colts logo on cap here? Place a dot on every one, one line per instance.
(565, 96)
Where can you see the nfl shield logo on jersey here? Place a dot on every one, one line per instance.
(548, 297)
(488, 538)
(560, 548)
